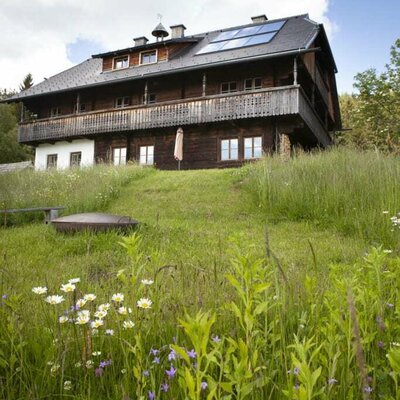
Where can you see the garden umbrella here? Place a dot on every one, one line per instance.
(178, 152)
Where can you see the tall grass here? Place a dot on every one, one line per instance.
(79, 190)
(344, 189)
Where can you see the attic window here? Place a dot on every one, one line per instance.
(149, 57)
(121, 62)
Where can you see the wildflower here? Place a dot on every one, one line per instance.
(80, 303)
(97, 323)
(109, 332)
(37, 290)
(55, 368)
(332, 381)
(128, 324)
(296, 386)
(275, 297)
(146, 373)
(67, 385)
(99, 372)
(104, 307)
(164, 387)
(96, 353)
(387, 251)
(172, 355)
(368, 389)
(89, 297)
(390, 305)
(147, 281)
(204, 385)
(381, 344)
(171, 372)
(95, 332)
(83, 318)
(123, 371)
(215, 338)
(78, 364)
(56, 299)
(154, 352)
(124, 310)
(151, 395)
(156, 360)
(385, 212)
(117, 298)
(63, 319)
(68, 287)
(296, 371)
(74, 280)
(4, 297)
(144, 303)
(89, 364)
(104, 364)
(396, 344)
(191, 354)
(100, 314)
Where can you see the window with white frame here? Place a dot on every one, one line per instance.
(148, 57)
(121, 62)
(119, 156)
(52, 160)
(75, 159)
(252, 147)
(252, 84)
(229, 149)
(146, 155)
(228, 87)
(121, 102)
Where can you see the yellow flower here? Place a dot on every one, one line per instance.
(144, 303)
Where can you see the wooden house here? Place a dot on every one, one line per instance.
(237, 93)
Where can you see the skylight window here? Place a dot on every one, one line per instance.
(237, 38)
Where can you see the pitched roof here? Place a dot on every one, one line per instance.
(297, 33)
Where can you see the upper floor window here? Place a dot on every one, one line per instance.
(52, 161)
(252, 84)
(55, 112)
(229, 149)
(75, 159)
(228, 87)
(148, 57)
(121, 102)
(82, 107)
(253, 147)
(119, 155)
(121, 62)
(146, 155)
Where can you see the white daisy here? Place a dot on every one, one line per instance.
(39, 290)
(144, 303)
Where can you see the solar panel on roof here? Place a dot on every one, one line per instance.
(249, 36)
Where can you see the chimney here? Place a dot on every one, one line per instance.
(177, 31)
(259, 19)
(141, 41)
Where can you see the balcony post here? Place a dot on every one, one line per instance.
(22, 111)
(295, 71)
(204, 84)
(78, 101)
(146, 93)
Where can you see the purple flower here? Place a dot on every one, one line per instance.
(151, 395)
(191, 353)
(204, 385)
(4, 297)
(296, 386)
(164, 387)
(154, 352)
(381, 344)
(172, 355)
(367, 389)
(331, 381)
(99, 372)
(215, 338)
(171, 372)
(296, 370)
(104, 364)
(156, 360)
(146, 373)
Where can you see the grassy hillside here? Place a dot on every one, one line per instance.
(292, 305)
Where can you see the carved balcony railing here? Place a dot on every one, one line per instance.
(260, 103)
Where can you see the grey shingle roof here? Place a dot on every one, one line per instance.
(297, 33)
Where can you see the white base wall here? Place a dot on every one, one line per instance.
(63, 151)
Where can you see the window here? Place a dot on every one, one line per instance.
(121, 62)
(75, 159)
(228, 87)
(149, 57)
(146, 155)
(52, 161)
(252, 84)
(151, 98)
(82, 107)
(119, 155)
(229, 149)
(121, 102)
(252, 147)
(55, 112)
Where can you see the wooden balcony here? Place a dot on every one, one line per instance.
(261, 103)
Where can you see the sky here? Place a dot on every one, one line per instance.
(45, 37)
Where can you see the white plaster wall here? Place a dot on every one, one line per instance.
(63, 151)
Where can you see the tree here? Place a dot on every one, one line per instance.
(26, 83)
(374, 114)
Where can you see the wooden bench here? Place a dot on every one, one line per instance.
(50, 213)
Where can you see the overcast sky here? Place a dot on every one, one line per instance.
(45, 37)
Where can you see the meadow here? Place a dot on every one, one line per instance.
(277, 280)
